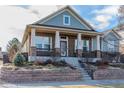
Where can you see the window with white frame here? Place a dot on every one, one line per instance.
(66, 20)
(85, 45)
(111, 45)
(43, 42)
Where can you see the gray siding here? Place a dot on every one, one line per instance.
(58, 21)
(110, 37)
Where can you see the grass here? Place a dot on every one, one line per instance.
(79, 86)
(113, 86)
(94, 86)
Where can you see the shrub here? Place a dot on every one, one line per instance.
(102, 64)
(49, 61)
(19, 60)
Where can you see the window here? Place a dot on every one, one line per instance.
(43, 43)
(111, 46)
(66, 20)
(85, 45)
(39, 46)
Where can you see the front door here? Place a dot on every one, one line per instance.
(63, 45)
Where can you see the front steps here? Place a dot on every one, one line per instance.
(85, 74)
(74, 61)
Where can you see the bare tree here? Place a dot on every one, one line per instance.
(121, 17)
(13, 47)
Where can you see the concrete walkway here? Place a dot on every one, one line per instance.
(80, 84)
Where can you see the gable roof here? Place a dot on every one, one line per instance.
(112, 31)
(40, 22)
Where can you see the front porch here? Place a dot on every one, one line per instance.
(63, 43)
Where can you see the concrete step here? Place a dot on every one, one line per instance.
(85, 74)
(74, 62)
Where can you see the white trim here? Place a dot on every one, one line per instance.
(40, 38)
(57, 40)
(66, 41)
(102, 45)
(107, 32)
(98, 42)
(92, 46)
(71, 30)
(79, 41)
(68, 20)
(50, 17)
(79, 20)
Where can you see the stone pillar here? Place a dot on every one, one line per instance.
(57, 44)
(33, 46)
(79, 45)
(98, 52)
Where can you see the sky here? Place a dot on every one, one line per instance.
(13, 19)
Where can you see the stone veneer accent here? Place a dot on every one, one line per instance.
(79, 52)
(57, 52)
(33, 51)
(40, 75)
(102, 74)
(98, 53)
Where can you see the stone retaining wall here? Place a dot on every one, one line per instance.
(102, 74)
(40, 75)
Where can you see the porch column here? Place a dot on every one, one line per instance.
(92, 48)
(98, 46)
(79, 45)
(57, 44)
(33, 46)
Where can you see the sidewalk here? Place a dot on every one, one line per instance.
(78, 84)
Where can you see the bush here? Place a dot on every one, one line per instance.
(102, 63)
(19, 60)
(51, 63)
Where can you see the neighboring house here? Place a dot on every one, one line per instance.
(110, 41)
(120, 31)
(63, 33)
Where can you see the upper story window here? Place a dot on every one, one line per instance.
(66, 20)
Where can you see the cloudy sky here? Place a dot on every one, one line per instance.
(13, 19)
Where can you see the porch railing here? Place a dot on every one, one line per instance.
(110, 56)
(71, 53)
(89, 54)
(44, 52)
